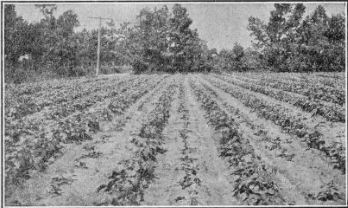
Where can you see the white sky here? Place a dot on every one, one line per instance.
(220, 24)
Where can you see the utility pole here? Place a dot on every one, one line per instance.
(99, 34)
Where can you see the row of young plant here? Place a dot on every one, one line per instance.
(105, 92)
(334, 75)
(329, 111)
(33, 88)
(282, 117)
(35, 148)
(314, 91)
(190, 180)
(327, 192)
(16, 127)
(162, 85)
(134, 175)
(253, 182)
(115, 107)
(55, 115)
(67, 94)
(333, 80)
(106, 110)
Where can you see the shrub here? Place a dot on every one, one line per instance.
(139, 66)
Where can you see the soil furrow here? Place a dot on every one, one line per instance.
(216, 186)
(326, 137)
(328, 111)
(177, 139)
(165, 188)
(252, 180)
(127, 183)
(46, 142)
(295, 166)
(302, 86)
(190, 171)
(85, 165)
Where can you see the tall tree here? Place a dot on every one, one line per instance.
(15, 35)
(277, 38)
(290, 43)
(164, 41)
(237, 57)
(322, 41)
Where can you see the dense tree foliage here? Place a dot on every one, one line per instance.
(289, 42)
(162, 40)
(15, 43)
(48, 46)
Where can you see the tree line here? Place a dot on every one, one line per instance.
(289, 42)
(162, 40)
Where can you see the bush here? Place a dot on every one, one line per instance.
(79, 71)
(115, 69)
(15, 75)
(139, 66)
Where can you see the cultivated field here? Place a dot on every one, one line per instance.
(194, 139)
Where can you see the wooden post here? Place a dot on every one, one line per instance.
(99, 39)
(98, 50)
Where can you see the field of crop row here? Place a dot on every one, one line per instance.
(194, 139)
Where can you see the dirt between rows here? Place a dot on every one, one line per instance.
(302, 173)
(188, 168)
(190, 172)
(74, 178)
